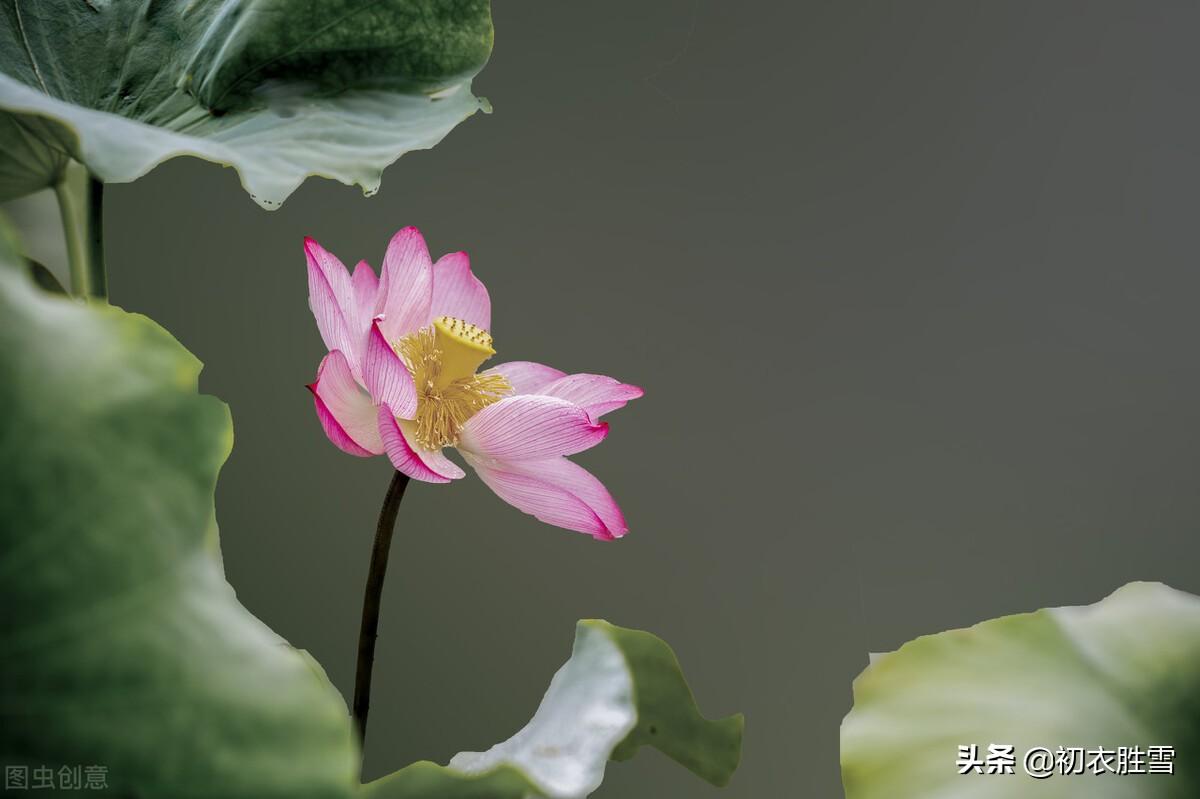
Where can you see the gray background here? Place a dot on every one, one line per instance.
(910, 287)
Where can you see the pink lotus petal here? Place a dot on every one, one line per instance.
(429, 467)
(331, 298)
(596, 394)
(458, 293)
(387, 378)
(334, 430)
(554, 491)
(573, 478)
(530, 427)
(345, 410)
(406, 287)
(334, 272)
(365, 284)
(526, 377)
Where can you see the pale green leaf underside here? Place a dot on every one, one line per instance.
(588, 709)
(1122, 672)
(620, 689)
(277, 89)
(350, 138)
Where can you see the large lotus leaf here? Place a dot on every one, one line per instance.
(1124, 672)
(620, 689)
(278, 89)
(124, 646)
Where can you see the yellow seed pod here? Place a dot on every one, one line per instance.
(463, 346)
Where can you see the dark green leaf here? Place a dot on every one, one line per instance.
(279, 89)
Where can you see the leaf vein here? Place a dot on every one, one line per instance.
(29, 50)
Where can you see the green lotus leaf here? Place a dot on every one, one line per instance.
(278, 89)
(425, 780)
(621, 689)
(124, 646)
(1121, 674)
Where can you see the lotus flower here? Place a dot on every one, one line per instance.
(402, 378)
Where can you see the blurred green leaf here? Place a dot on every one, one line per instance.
(278, 89)
(43, 277)
(123, 644)
(12, 244)
(425, 780)
(1124, 672)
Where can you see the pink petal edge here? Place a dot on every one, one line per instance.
(429, 467)
(387, 378)
(346, 412)
(526, 377)
(555, 491)
(530, 427)
(334, 431)
(596, 394)
(365, 284)
(406, 285)
(330, 297)
(458, 293)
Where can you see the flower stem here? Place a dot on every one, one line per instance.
(368, 632)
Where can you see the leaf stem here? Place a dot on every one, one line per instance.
(81, 207)
(97, 274)
(368, 632)
(74, 238)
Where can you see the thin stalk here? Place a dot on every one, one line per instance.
(368, 632)
(76, 255)
(97, 275)
(81, 206)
